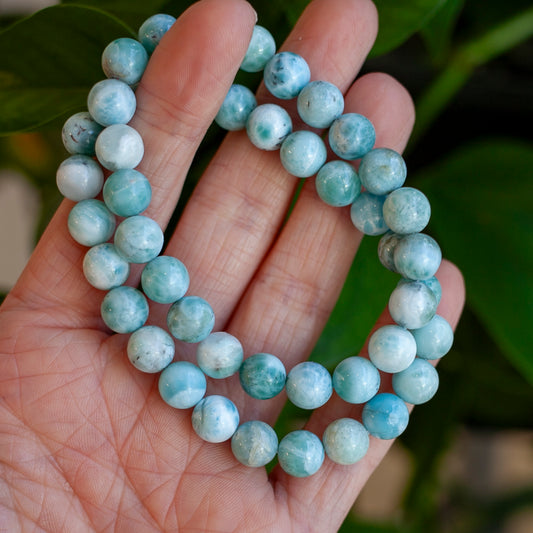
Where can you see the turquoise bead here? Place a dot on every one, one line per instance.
(80, 132)
(254, 443)
(139, 239)
(416, 384)
(406, 210)
(345, 441)
(303, 153)
(119, 146)
(125, 59)
(320, 103)
(337, 183)
(432, 283)
(309, 385)
(219, 355)
(412, 305)
(111, 102)
(127, 192)
(182, 385)
(236, 108)
(417, 256)
(435, 339)
(386, 246)
(104, 268)
(300, 453)
(367, 214)
(382, 170)
(356, 380)
(90, 222)
(391, 348)
(215, 418)
(286, 74)
(190, 319)
(351, 136)
(262, 376)
(385, 416)
(267, 126)
(165, 279)
(260, 50)
(150, 349)
(79, 178)
(124, 309)
(153, 29)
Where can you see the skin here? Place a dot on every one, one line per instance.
(86, 443)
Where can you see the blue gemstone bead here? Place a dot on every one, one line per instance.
(262, 376)
(406, 210)
(300, 453)
(260, 50)
(416, 384)
(309, 385)
(104, 268)
(125, 59)
(433, 283)
(190, 319)
(345, 441)
(236, 108)
(150, 349)
(182, 385)
(356, 380)
(267, 126)
(79, 133)
(417, 256)
(219, 355)
(367, 214)
(254, 443)
(286, 74)
(139, 239)
(386, 246)
(337, 183)
(320, 103)
(165, 279)
(119, 146)
(351, 136)
(392, 348)
(215, 418)
(153, 29)
(111, 102)
(124, 309)
(412, 305)
(433, 340)
(79, 178)
(90, 222)
(385, 416)
(303, 153)
(382, 170)
(127, 192)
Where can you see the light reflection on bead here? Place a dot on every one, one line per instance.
(356, 379)
(260, 50)
(182, 385)
(127, 192)
(104, 268)
(190, 319)
(382, 170)
(236, 108)
(150, 349)
(124, 59)
(435, 339)
(416, 384)
(215, 418)
(254, 443)
(309, 385)
(111, 102)
(219, 355)
(320, 103)
(262, 376)
(165, 279)
(153, 29)
(300, 453)
(79, 178)
(267, 126)
(119, 146)
(412, 305)
(286, 74)
(391, 348)
(90, 222)
(337, 183)
(385, 416)
(139, 239)
(351, 136)
(406, 210)
(124, 309)
(345, 441)
(303, 153)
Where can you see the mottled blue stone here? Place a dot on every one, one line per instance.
(111, 102)
(165, 279)
(286, 74)
(119, 146)
(391, 348)
(182, 385)
(219, 355)
(124, 59)
(417, 256)
(351, 136)
(433, 283)
(416, 384)
(412, 305)
(153, 29)
(382, 170)
(356, 380)
(79, 178)
(124, 309)
(90, 222)
(215, 418)
(386, 246)
(300, 453)
(127, 192)
(406, 210)
(150, 349)
(337, 183)
(309, 385)
(79, 133)
(260, 50)
(139, 239)
(267, 126)
(345, 441)
(262, 376)
(433, 340)
(367, 214)
(236, 108)
(104, 268)
(385, 416)
(190, 319)
(320, 103)
(254, 443)
(303, 153)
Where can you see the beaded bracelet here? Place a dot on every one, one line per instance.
(380, 205)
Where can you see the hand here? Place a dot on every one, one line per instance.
(86, 443)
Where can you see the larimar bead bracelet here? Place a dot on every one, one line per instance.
(380, 206)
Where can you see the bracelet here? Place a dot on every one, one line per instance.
(380, 206)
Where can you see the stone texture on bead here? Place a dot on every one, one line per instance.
(391, 348)
(236, 108)
(124, 59)
(119, 146)
(386, 246)
(215, 418)
(219, 355)
(90, 222)
(356, 379)
(435, 339)
(385, 416)
(124, 309)
(320, 103)
(153, 29)
(416, 384)
(260, 50)
(262, 376)
(150, 349)
(79, 178)
(345, 441)
(254, 443)
(79, 133)
(267, 126)
(104, 268)
(406, 210)
(303, 153)
(382, 170)
(139, 239)
(417, 256)
(286, 74)
(190, 319)
(300, 453)
(351, 136)
(337, 183)
(111, 102)
(412, 305)
(127, 192)
(165, 279)
(182, 385)
(309, 385)
(432, 283)
(367, 214)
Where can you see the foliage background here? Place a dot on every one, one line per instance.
(469, 66)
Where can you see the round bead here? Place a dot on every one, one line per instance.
(392, 349)
(79, 178)
(165, 279)
(219, 355)
(104, 268)
(382, 170)
(262, 376)
(412, 305)
(385, 416)
(236, 108)
(300, 453)
(417, 256)
(124, 59)
(309, 385)
(303, 153)
(337, 183)
(286, 74)
(254, 443)
(260, 50)
(367, 214)
(79, 133)
(153, 29)
(351, 136)
(119, 146)
(190, 319)
(356, 380)
(433, 340)
(267, 126)
(127, 192)
(139, 239)
(150, 349)
(215, 418)
(90, 222)
(111, 102)
(432, 283)
(386, 246)
(345, 441)
(406, 210)
(182, 385)
(124, 309)
(416, 384)
(320, 103)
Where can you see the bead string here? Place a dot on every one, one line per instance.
(380, 205)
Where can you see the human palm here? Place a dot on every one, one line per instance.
(86, 443)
